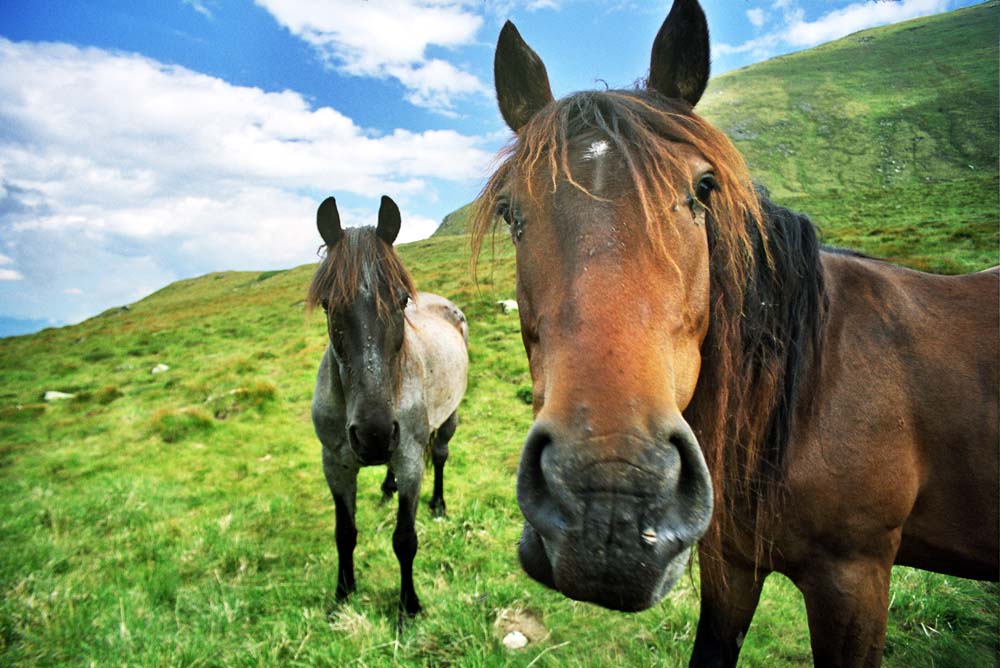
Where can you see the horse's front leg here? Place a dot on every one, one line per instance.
(342, 478)
(729, 596)
(847, 605)
(409, 472)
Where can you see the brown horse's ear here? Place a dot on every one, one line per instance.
(389, 221)
(328, 222)
(521, 80)
(679, 64)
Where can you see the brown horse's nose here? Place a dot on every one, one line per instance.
(609, 518)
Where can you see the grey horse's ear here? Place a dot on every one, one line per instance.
(521, 81)
(679, 64)
(388, 220)
(328, 222)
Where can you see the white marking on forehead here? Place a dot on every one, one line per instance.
(596, 150)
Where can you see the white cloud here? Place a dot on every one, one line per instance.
(10, 275)
(389, 38)
(200, 6)
(5, 259)
(72, 291)
(797, 32)
(760, 47)
(853, 18)
(156, 172)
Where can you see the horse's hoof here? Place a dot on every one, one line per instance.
(438, 509)
(407, 611)
(344, 591)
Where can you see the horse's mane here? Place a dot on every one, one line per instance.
(359, 257)
(767, 297)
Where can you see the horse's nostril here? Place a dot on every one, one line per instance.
(534, 491)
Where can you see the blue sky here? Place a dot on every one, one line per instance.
(146, 141)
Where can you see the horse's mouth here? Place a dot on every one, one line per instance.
(629, 583)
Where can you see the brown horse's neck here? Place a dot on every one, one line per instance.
(758, 358)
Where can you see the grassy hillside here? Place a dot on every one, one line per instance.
(887, 138)
(181, 518)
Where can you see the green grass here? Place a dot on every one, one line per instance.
(182, 519)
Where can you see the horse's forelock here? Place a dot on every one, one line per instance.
(360, 256)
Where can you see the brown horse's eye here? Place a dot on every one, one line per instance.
(325, 303)
(704, 189)
(503, 210)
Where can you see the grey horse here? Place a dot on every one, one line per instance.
(389, 384)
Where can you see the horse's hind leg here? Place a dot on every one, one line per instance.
(847, 605)
(729, 596)
(388, 485)
(439, 455)
(342, 480)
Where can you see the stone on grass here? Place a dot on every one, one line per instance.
(159, 368)
(515, 640)
(55, 395)
(507, 306)
(517, 628)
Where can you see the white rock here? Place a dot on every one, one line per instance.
(515, 640)
(160, 368)
(53, 395)
(507, 306)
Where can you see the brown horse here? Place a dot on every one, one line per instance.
(704, 370)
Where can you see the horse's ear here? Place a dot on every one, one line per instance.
(521, 80)
(328, 222)
(388, 220)
(679, 64)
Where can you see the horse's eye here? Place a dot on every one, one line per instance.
(404, 299)
(503, 210)
(325, 303)
(705, 186)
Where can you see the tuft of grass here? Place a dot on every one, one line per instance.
(173, 425)
(107, 394)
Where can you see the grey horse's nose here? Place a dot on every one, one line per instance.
(373, 441)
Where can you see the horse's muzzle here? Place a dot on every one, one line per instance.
(612, 520)
(374, 441)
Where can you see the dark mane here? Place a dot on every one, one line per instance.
(767, 295)
(759, 356)
(359, 257)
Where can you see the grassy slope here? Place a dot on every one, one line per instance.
(159, 520)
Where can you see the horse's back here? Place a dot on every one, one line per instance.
(437, 347)
(907, 404)
(430, 304)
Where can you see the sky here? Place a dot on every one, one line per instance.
(146, 141)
